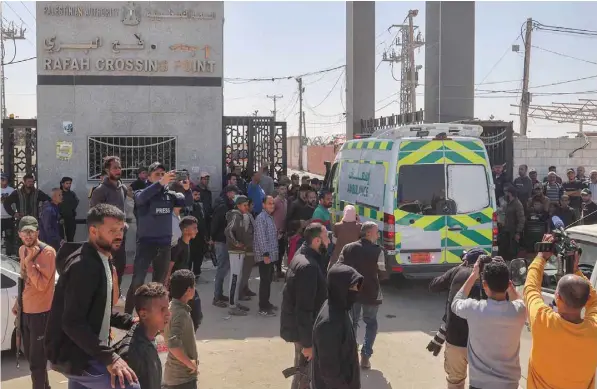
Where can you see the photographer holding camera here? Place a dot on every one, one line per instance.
(454, 331)
(494, 326)
(564, 350)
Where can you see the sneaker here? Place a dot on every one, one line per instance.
(250, 293)
(273, 307)
(365, 363)
(224, 299)
(236, 311)
(219, 303)
(242, 307)
(200, 281)
(244, 298)
(267, 313)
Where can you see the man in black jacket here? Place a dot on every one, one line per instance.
(455, 355)
(200, 243)
(68, 208)
(335, 357)
(299, 209)
(589, 208)
(223, 204)
(141, 182)
(206, 196)
(302, 297)
(368, 258)
(137, 347)
(26, 199)
(77, 340)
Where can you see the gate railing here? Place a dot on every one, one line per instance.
(253, 141)
(19, 149)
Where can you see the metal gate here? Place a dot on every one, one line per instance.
(498, 137)
(19, 149)
(253, 141)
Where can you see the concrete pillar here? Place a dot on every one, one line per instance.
(360, 64)
(449, 61)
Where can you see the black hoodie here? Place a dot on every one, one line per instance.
(335, 358)
(218, 222)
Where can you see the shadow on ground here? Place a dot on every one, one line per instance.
(406, 307)
(374, 379)
(9, 366)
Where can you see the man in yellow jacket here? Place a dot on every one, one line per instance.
(564, 350)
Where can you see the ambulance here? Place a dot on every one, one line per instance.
(429, 188)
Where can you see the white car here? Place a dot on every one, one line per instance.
(586, 238)
(10, 269)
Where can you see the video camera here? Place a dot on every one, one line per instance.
(562, 246)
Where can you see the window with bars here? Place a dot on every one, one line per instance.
(134, 152)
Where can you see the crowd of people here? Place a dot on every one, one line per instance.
(259, 223)
(332, 280)
(526, 205)
(485, 316)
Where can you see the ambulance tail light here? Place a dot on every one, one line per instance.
(494, 231)
(389, 233)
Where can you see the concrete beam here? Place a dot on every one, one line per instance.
(449, 61)
(360, 64)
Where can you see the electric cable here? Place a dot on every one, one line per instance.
(330, 91)
(19, 61)
(564, 55)
(27, 8)
(257, 79)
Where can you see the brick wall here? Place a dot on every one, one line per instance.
(540, 153)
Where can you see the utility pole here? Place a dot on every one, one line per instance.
(275, 99)
(525, 99)
(9, 32)
(301, 124)
(409, 79)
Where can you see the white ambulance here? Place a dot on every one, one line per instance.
(430, 189)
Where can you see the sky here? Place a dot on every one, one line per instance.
(278, 39)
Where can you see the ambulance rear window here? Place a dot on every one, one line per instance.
(468, 187)
(420, 188)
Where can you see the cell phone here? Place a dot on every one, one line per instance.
(181, 175)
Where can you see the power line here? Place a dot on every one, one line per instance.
(568, 30)
(331, 90)
(509, 49)
(22, 60)
(27, 8)
(245, 80)
(564, 55)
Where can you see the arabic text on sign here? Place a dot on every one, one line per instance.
(65, 10)
(359, 190)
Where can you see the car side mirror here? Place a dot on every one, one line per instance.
(518, 271)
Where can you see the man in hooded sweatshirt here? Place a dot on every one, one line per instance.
(240, 241)
(335, 357)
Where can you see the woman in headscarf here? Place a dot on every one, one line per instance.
(345, 232)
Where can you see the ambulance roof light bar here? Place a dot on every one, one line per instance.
(417, 130)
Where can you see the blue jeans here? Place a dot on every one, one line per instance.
(156, 256)
(370, 319)
(223, 260)
(96, 376)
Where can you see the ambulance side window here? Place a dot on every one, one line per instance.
(333, 176)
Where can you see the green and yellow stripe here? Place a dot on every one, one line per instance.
(368, 145)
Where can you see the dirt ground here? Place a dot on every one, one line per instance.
(247, 351)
